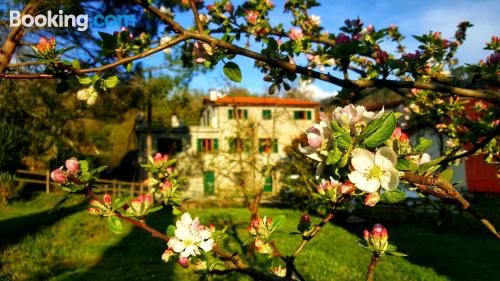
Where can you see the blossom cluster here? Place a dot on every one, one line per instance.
(261, 229)
(64, 176)
(140, 206)
(377, 238)
(190, 237)
(101, 209)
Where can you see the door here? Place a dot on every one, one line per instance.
(209, 183)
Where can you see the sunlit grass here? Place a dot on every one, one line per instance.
(77, 246)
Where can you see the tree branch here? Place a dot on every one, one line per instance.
(103, 68)
(197, 20)
(445, 190)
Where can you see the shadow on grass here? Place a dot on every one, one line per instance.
(136, 257)
(457, 246)
(15, 229)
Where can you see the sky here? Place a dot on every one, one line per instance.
(413, 18)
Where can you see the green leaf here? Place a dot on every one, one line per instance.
(232, 71)
(62, 87)
(108, 41)
(60, 203)
(84, 166)
(176, 211)
(422, 145)
(406, 165)
(171, 230)
(279, 222)
(383, 133)
(155, 209)
(111, 82)
(76, 64)
(129, 67)
(374, 125)
(115, 224)
(393, 196)
(427, 166)
(99, 170)
(447, 174)
(334, 156)
(84, 80)
(396, 254)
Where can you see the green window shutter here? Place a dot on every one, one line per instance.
(261, 145)
(309, 115)
(245, 114)
(297, 115)
(268, 184)
(246, 145)
(216, 144)
(266, 114)
(232, 145)
(275, 146)
(200, 145)
(230, 114)
(209, 183)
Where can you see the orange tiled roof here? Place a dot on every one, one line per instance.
(261, 101)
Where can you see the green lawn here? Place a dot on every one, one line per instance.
(69, 244)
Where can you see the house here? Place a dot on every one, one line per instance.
(235, 147)
(240, 139)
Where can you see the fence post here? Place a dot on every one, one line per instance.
(142, 188)
(47, 182)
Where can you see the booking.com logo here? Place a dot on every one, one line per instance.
(61, 20)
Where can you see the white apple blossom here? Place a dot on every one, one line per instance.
(190, 237)
(351, 115)
(318, 139)
(163, 40)
(374, 170)
(420, 159)
(315, 20)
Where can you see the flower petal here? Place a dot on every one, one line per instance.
(207, 245)
(362, 160)
(358, 179)
(386, 158)
(390, 180)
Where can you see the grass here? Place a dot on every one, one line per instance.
(69, 244)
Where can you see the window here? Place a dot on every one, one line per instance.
(302, 115)
(240, 114)
(268, 184)
(268, 145)
(238, 145)
(208, 145)
(238, 179)
(209, 183)
(267, 114)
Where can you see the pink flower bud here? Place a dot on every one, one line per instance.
(166, 185)
(397, 133)
(58, 176)
(377, 229)
(167, 254)
(199, 60)
(229, 7)
(366, 234)
(347, 187)
(252, 17)
(437, 35)
(314, 138)
(148, 199)
(296, 34)
(140, 198)
(269, 222)
(372, 199)
(305, 219)
(342, 39)
(72, 165)
(404, 138)
(184, 262)
(107, 199)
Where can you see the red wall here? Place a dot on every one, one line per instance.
(481, 177)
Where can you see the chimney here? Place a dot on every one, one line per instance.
(174, 121)
(214, 94)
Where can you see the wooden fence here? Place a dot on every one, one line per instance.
(111, 186)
